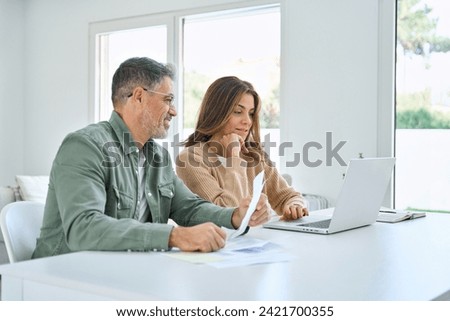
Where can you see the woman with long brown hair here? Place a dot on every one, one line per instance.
(224, 154)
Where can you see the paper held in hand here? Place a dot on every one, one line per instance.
(257, 188)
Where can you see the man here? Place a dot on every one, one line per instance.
(113, 188)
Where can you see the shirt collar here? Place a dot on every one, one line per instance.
(124, 135)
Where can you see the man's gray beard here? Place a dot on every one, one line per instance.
(161, 135)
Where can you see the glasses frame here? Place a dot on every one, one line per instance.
(168, 98)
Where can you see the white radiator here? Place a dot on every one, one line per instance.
(315, 202)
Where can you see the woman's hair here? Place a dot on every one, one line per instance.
(220, 99)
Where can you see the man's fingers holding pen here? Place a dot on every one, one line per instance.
(204, 237)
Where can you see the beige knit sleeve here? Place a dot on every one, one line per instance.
(223, 183)
(279, 193)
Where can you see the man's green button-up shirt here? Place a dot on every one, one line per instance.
(92, 200)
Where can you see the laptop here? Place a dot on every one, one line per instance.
(358, 204)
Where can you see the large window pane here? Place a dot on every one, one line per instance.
(422, 178)
(243, 43)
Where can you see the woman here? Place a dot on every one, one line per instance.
(224, 154)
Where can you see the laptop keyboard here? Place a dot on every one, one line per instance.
(318, 224)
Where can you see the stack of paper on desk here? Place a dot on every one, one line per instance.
(239, 251)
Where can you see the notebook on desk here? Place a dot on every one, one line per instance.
(358, 204)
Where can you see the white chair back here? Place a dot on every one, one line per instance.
(20, 223)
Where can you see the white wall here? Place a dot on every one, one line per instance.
(331, 66)
(333, 62)
(12, 89)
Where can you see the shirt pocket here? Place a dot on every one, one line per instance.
(123, 204)
(166, 192)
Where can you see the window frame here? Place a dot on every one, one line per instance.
(174, 24)
(97, 29)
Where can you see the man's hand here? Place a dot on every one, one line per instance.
(206, 237)
(293, 212)
(259, 216)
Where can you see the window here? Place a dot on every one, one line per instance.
(204, 46)
(422, 178)
(243, 44)
(115, 47)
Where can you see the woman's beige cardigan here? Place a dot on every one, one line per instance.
(225, 181)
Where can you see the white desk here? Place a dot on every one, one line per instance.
(403, 261)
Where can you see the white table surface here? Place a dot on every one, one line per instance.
(403, 261)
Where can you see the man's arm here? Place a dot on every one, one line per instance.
(188, 209)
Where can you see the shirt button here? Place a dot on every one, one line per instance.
(149, 194)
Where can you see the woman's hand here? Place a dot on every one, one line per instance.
(232, 144)
(259, 216)
(293, 212)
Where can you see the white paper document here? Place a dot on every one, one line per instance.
(245, 250)
(258, 184)
(239, 251)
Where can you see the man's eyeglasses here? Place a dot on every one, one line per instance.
(168, 98)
